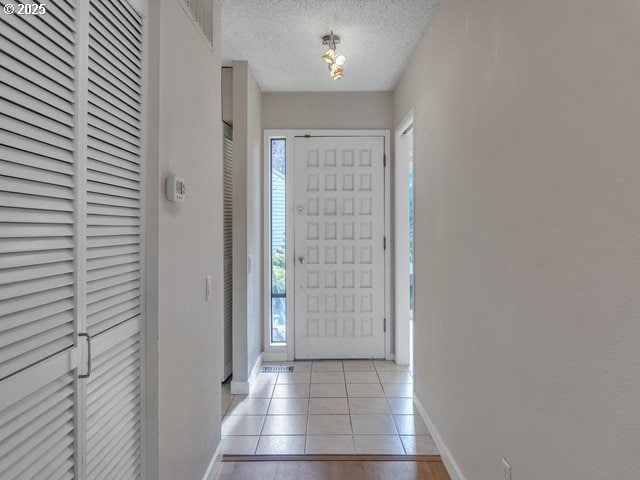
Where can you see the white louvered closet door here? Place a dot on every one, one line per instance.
(70, 241)
(38, 62)
(113, 241)
(228, 250)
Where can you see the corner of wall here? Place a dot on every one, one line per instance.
(447, 457)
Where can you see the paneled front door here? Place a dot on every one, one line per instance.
(339, 252)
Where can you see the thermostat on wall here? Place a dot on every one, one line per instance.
(175, 188)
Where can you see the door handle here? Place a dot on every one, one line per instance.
(301, 259)
(88, 337)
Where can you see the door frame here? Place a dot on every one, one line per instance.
(401, 251)
(287, 352)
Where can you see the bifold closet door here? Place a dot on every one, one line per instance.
(228, 250)
(71, 107)
(113, 241)
(38, 164)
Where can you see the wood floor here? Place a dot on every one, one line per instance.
(332, 467)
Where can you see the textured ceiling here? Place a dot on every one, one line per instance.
(281, 40)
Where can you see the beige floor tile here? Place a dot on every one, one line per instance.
(389, 366)
(358, 366)
(240, 445)
(327, 366)
(378, 445)
(422, 445)
(395, 377)
(261, 390)
(281, 445)
(289, 406)
(242, 425)
(285, 425)
(398, 389)
(329, 425)
(329, 444)
(368, 406)
(328, 406)
(410, 425)
(371, 390)
(292, 390)
(373, 425)
(265, 378)
(224, 403)
(361, 377)
(401, 406)
(327, 377)
(328, 390)
(299, 366)
(295, 377)
(248, 406)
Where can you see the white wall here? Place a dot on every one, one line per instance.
(527, 163)
(327, 110)
(247, 222)
(184, 244)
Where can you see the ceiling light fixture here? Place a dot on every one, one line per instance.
(334, 60)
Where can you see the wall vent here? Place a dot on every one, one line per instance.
(202, 15)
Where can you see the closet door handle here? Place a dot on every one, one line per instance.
(88, 337)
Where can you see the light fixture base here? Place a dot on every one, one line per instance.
(329, 39)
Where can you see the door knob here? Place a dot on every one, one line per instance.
(301, 260)
(300, 209)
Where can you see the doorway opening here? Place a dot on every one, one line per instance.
(404, 244)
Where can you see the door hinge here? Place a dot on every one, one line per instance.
(384, 160)
(384, 326)
(384, 243)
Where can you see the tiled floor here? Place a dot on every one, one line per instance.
(327, 407)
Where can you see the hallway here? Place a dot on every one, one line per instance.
(327, 407)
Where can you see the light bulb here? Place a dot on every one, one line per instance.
(330, 56)
(336, 71)
(340, 59)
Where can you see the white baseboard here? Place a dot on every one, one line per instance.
(239, 388)
(447, 458)
(243, 388)
(274, 357)
(214, 464)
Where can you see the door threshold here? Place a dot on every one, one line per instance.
(331, 458)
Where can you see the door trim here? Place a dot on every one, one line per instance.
(284, 353)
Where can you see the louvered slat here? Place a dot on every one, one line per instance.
(23, 76)
(37, 142)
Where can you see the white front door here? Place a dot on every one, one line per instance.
(339, 250)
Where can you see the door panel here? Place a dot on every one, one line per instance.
(228, 251)
(38, 316)
(339, 254)
(37, 189)
(113, 241)
(38, 421)
(114, 406)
